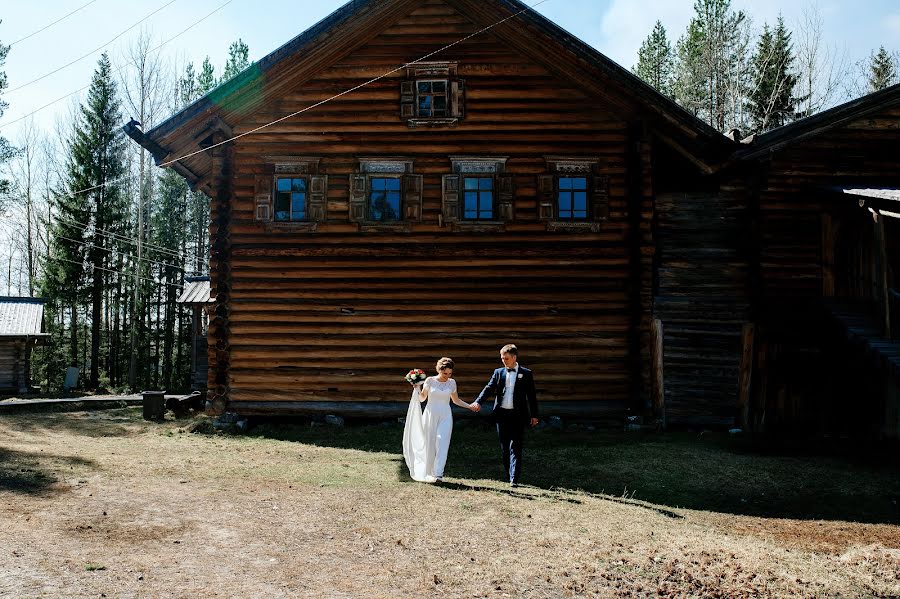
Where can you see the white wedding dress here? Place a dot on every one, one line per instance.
(426, 436)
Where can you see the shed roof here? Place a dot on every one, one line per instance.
(196, 291)
(22, 317)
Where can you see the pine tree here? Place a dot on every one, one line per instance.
(711, 66)
(90, 208)
(882, 71)
(238, 60)
(206, 79)
(771, 102)
(6, 150)
(656, 61)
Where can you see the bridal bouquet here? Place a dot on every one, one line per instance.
(415, 376)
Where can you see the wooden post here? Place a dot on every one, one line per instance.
(828, 244)
(656, 350)
(745, 375)
(881, 273)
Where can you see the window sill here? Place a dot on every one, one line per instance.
(291, 227)
(415, 123)
(571, 227)
(376, 227)
(481, 226)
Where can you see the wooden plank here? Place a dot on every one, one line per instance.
(746, 375)
(657, 357)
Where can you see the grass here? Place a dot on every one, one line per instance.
(311, 510)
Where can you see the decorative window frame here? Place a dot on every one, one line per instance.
(410, 193)
(453, 193)
(429, 72)
(265, 188)
(548, 193)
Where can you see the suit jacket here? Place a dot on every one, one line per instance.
(524, 393)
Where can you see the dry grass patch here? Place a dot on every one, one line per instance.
(108, 504)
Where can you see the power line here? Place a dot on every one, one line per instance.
(63, 18)
(110, 250)
(360, 86)
(102, 46)
(118, 272)
(61, 98)
(117, 237)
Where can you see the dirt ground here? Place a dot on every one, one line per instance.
(103, 504)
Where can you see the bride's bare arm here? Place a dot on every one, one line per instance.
(423, 391)
(459, 402)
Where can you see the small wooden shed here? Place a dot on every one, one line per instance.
(21, 328)
(196, 295)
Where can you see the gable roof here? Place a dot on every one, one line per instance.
(777, 139)
(360, 21)
(21, 317)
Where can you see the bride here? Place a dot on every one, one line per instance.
(426, 436)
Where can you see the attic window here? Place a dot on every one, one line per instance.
(432, 95)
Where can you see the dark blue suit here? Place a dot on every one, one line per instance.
(511, 423)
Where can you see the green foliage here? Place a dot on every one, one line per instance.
(238, 60)
(206, 79)
(771, 102)
(6, 150)
(882, 71)
(656, 60)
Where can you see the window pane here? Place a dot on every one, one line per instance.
(565, 201)
(580, 200)
(485, 183)
(565, 183)
(565, 214)
(471, 183)
(283, 205)
(378, 184)
(486, 201)
(580, 183)
(298, 206)
(439, 87)
(471, 201)
(284, 184)
(392, 211)
(440, 103)
(425, 106)
(424, 87)
(392, 184)
(298, 185)
(580, 214)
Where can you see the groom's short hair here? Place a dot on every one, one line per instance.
(509, 349)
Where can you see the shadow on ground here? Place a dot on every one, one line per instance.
(34, 473)
(105, 423)
(708, 471)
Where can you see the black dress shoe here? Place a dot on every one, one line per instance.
(513, 484)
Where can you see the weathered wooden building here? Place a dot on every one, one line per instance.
(21, 328)
(416, 178)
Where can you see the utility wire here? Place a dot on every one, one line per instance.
(117, 237)
(116, 71)
(111, 250)
(101, 47)
(63, 18)
(118, 272)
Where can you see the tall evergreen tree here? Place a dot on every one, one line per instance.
(882, 71)
(206, 79)
(238, 60)
(656, 60)
(712, 64)
(771, 101)
(91, 209)
(6, 150)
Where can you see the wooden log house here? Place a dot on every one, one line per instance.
(21, 329)
(516, 186)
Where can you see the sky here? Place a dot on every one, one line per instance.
(615, 27)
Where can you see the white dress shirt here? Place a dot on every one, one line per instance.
(511, 375)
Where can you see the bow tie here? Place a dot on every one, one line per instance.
(510, 370)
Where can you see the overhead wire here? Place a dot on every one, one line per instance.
(117, 237)
(125, 274)
(82, 57)
(44, 28)
(127, 64)
(111, 250)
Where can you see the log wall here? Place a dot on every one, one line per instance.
(339, 315)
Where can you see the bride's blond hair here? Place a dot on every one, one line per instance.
(444, 363)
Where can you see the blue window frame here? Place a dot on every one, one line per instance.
(572, 198)
(384, 199)
(290, 199)
(479, 198)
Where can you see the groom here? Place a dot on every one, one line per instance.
(515, 406)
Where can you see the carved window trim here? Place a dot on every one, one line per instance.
(454, 193)
(266, 188)
(560, 167)
(411, 187)
(410, 94)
